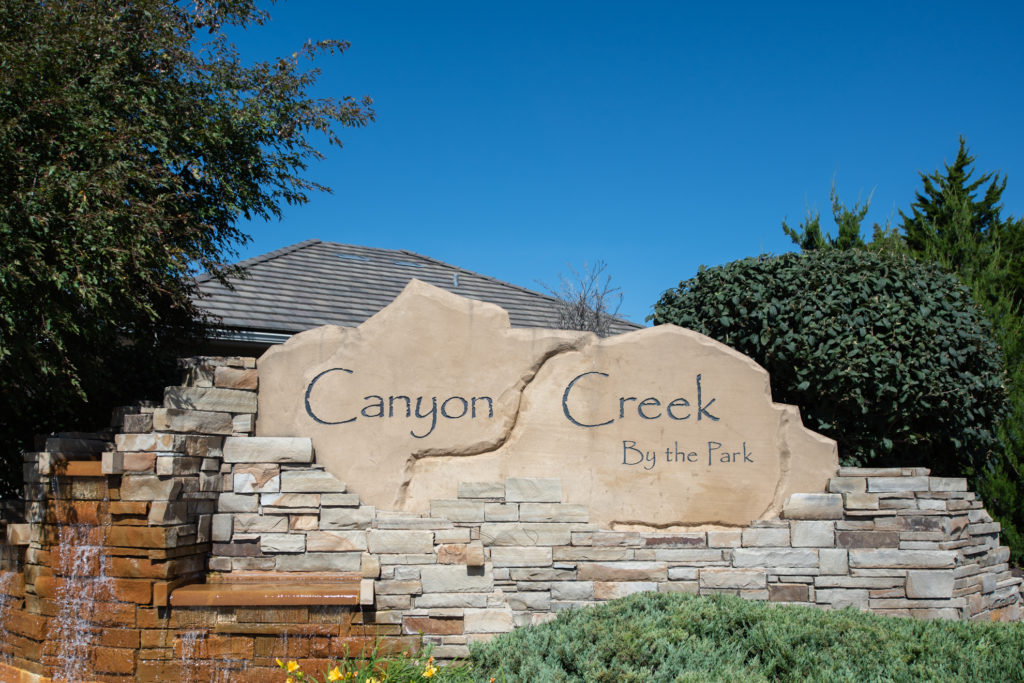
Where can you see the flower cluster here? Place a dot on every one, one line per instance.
(403, 669)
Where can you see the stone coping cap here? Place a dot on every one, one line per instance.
(275, 594)
(255, 576)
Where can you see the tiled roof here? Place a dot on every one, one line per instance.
(316, 283)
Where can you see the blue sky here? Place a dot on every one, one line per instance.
(514, 139)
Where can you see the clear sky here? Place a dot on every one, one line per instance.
(513, 139)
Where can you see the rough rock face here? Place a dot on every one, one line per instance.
(660, 427)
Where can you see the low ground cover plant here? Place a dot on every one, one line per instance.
(675, 637)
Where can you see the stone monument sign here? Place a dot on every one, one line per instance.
(657, 428)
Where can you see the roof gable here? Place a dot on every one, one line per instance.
(315, 283)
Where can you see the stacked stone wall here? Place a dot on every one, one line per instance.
(184, 494)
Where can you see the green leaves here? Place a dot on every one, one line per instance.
(886, 355)
(129, 148)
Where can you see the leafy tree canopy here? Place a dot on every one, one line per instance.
(956, 222)
(888, 356)
(132, 139)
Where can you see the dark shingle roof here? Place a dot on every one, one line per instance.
(316, 283)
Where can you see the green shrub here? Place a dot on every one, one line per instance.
(888, 356)
(675, 637)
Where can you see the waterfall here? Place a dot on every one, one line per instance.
(83, 571)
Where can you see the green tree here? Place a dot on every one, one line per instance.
(132, 139)
(885, 354)
(810, 237)
(957, 221)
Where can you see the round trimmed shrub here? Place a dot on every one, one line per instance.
(888, 356)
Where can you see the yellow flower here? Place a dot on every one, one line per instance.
(334, 674)
(372, 679)
(289, 680)
(429, 671)
(293, 666)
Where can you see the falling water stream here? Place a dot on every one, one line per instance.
(83, 570)
(6, 579)
(188, 655)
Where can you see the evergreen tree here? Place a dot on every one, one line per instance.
(809, 236)
(958, 223)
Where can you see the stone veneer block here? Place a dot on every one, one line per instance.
(868, 539)
(458, 510)
(305, 501)
(346, 518)
(280, 449)
(861, 501)
(310, 481)
(140, 423)
(488, 621)
(283, 543)
(112, 462)
(339, 500)
(733, 578)
(725, 539)
(838, 598)
(521, 556)
(409, 542)
(163, 512)
(259, 524)
(243, 423)
(365, 592)
(902, 559)
(533, 490)
(929, 584)
(870, 471)
(233, 502)
(235, 378)
(813, 534)
(536, 601)
(212, 399)
(139, 462)
(175, 464)
(553, 512)
(610, 590)
(318, 562)
(687, 555)
(774, 557)
(452, 553)
(303, 522)
(813, 506)
(456, 578)
(526, 534)
(847, 485)
(450, 600)
(220, 529)
(897, 484)
(481, 489)
(454, 535)
(335, 541)
(150, 442)
(501, 512)
(947, 484)
(592, 554)
(623, 571)
(149, 487)
(256, 478)
(571, 590)
(193, 421)
(833, 561)
(759, 537)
